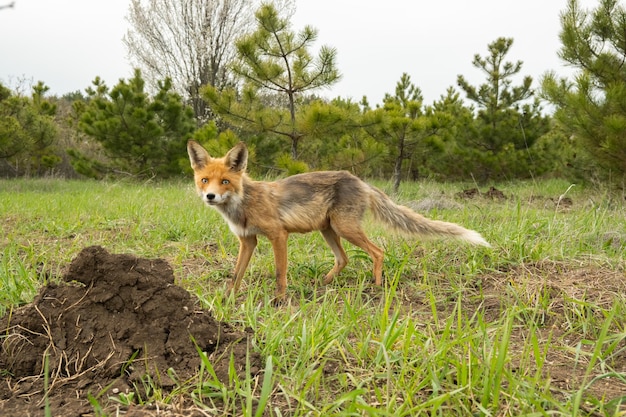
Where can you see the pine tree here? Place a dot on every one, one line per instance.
(28, 132)
(142, 136)
(591, 108)
(507, 125)
(497, 96)
(276, 68)
(402, 124)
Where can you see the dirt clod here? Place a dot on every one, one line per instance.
(116, 322)
(471, 193)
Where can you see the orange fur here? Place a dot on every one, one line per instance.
(333, 202)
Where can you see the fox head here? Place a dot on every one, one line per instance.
(218, 180)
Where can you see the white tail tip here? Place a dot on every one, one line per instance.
(475, 238)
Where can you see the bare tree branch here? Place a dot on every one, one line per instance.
(190, 41)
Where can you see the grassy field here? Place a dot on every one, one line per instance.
(534, 326)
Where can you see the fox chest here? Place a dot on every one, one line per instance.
(241, 229)
(238, 222)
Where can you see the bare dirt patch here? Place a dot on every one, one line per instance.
(561, 203)
(115, 322)
(493, 194)
(555, 299)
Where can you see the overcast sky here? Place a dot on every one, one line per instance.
(67, 43)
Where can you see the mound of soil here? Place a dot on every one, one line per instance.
(493, 193)
(116, 322)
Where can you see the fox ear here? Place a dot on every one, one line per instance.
(198, 156)
(237, 158)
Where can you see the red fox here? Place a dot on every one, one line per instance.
(333, 202)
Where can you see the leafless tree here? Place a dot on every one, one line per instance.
(190, 41)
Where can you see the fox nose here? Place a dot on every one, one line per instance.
(210, 197)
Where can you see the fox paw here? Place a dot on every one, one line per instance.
(279, 300)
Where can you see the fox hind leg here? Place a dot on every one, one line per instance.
(352, 232)
(341, 259)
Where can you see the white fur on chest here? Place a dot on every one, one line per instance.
(236, 228)
(235, 218)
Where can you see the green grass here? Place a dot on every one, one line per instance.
(534, 326)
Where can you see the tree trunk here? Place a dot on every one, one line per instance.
(294, 146)
(397, 168)
(397, 173)
(294, 134)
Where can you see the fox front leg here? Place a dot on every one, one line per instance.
(247, 244)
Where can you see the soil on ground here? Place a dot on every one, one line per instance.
(493, 193)
(116, 323)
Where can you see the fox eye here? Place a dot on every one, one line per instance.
(225, 182)
(204, 180)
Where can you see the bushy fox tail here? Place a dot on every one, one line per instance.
(405, 220)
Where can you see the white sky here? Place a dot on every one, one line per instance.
(67, 43)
